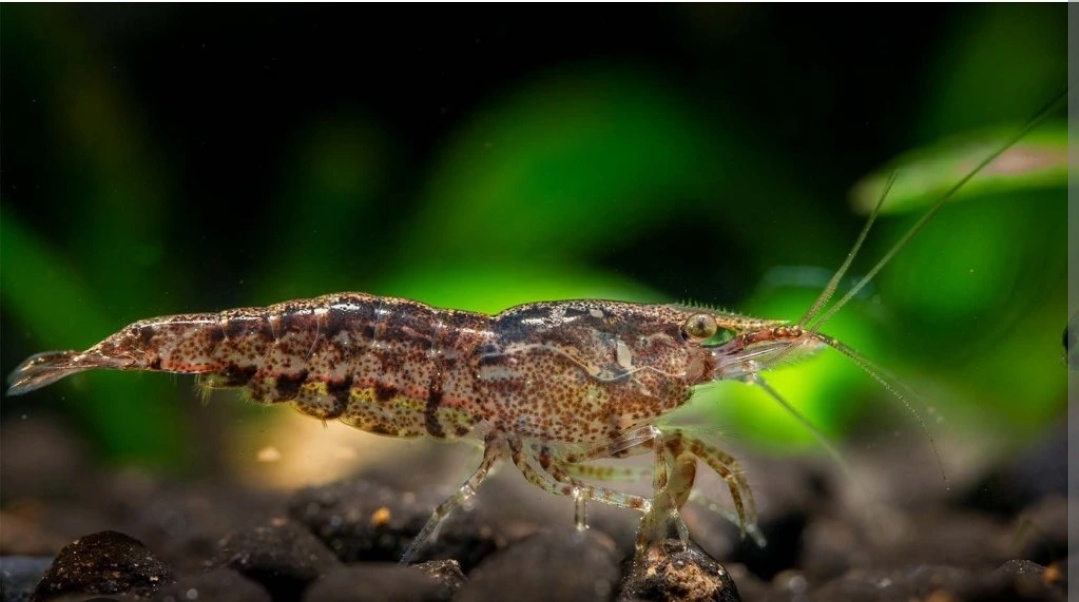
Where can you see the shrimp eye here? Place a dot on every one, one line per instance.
(699, 327)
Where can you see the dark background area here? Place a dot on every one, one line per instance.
(168, 159)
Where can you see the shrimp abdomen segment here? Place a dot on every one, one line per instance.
(380, 364)
(385, 365)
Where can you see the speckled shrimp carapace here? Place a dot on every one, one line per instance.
(549, 386)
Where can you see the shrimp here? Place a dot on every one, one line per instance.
(547, 386)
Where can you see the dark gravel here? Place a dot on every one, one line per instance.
(366, 521)
(377, 582)
(19, 576)
(142, 538)
(103, 563)
(215, 584)
(670, 571)
(281, 555)
(561, 564)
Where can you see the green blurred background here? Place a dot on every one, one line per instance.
(167, 159)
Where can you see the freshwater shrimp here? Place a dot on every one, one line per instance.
(547, 386)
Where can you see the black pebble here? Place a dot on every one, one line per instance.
(101, 564)
(215, 584)
(670, 571)
(564, 564)
(280, 555)
(377, 582)
(365, 521)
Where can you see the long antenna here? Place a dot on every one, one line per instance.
(1039, 117)
(826, 294)
(812, 321)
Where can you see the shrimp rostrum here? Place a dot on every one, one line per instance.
(548, 386)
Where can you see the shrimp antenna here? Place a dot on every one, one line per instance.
(826, 294)
(819, 435)
(894, 386)
(815, 323)
(813, 320)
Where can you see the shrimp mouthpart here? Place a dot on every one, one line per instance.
(749, 353)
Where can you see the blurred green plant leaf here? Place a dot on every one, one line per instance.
(322, 233)
(566, 164)
(59, 308)
(1000, 61)
(493, 286)
(1038, 161)
(120, 413)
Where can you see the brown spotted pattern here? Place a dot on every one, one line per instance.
(548, 386)
(376, 363)
(575, 372)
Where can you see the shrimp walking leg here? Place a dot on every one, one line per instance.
(674, 448)
(672, 480)
(673, 477)
(494, 450)
(607, 473)
(543, 469)
(676, 456)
